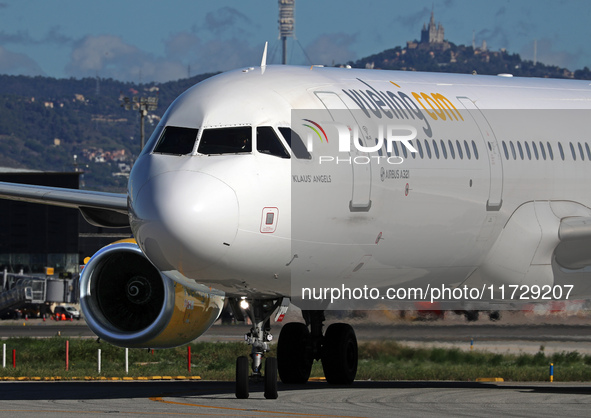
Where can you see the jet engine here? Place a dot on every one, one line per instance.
(129, 303)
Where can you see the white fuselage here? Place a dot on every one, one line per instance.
(430, 219)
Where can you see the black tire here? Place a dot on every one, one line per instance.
(472, 316)
(271, 378)
(339, 354)
(494, 315)
(293, 353)
(242, 377)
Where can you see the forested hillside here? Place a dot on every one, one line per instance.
(45, 122)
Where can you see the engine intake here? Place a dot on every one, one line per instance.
(129, 303)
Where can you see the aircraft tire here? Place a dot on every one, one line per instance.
(339, 354)
(293, 348)
(242, 377)
(271, 378)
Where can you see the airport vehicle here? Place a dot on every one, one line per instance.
(68, 311)
(489, 200)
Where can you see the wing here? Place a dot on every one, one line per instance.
(574, 250)
(542, 243)
(98, 208)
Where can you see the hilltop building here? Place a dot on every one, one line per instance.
(432, 37)
(433, 34)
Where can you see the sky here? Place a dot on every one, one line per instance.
(153, 40)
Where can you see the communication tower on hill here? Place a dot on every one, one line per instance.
(286, 24)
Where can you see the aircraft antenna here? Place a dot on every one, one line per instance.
(264, 60)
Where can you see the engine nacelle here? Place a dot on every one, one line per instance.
(129, 303)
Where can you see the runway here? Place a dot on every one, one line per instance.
(315, 399)
(494, 337)
(424, 332)
(318, 399)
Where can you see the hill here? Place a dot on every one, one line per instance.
(66, 124)
(45, 122)
(453, 58)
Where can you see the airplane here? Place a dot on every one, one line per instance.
(234, 198)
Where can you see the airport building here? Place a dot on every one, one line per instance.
(34, 237)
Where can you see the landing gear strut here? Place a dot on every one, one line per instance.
(259, 312)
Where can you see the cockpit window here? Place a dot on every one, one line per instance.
(152, 140)
(176, 140)
(269, 143)
(295, 143)
(226, 141)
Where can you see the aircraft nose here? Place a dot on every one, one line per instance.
(185, 220)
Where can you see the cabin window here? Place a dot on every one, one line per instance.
(460, 153)
(467, 148)
(295, 143)
(535, 148)
(404, 150)
(443, 149)
(506, 150)
(414, 154)
(561, 151)
(520, 149)
(268, 142)
(381, 149)
(176, 141)
(475, 150)
(581, 151)
(513, 150)
(451, 149)
(395, 145)
(528, 152)
(428, 148)
(550, 152)
(435, 149)
(588, 151)
(543, 150)
(420, 148)
(572, 150)
(215, 141)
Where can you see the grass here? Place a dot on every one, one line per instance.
(215, 361)
(392, 361)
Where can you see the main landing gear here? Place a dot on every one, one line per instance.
(299, 345)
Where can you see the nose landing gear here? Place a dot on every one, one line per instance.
(259, 337)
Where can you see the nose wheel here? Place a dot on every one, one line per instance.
(242, 377)
(259, 337)
(271, 378)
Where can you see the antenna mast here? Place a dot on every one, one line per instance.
(286, 24)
